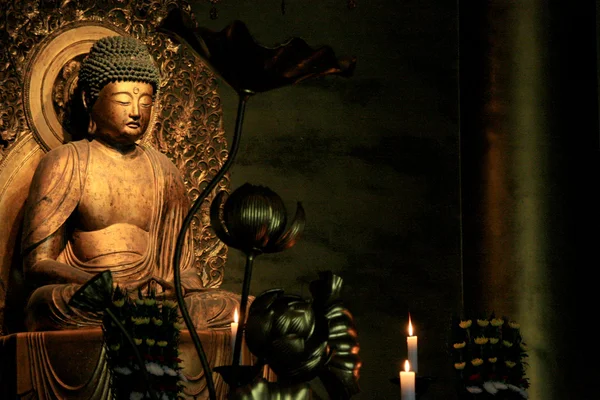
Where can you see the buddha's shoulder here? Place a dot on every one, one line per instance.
(60, 163)
(64, 154)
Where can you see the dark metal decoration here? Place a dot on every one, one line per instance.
(249, 68)
(300, 340)
(341, 371)
(253, 221)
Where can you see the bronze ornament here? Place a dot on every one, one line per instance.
(299, 340)
(254, 220)
(249, 67)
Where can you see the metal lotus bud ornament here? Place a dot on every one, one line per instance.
(254, 220)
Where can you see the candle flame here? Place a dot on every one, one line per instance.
(236, 317)
(410, 327)
(406, 366)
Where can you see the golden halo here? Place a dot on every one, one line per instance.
(44, 79)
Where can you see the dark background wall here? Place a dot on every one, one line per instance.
(374, 160)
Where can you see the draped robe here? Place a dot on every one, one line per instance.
(52, 202)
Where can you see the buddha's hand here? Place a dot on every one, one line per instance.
(150, 284)
(163, 287)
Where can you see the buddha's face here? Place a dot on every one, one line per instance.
(121, 113)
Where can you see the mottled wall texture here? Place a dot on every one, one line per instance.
(374, 160)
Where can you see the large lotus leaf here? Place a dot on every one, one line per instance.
(249, 67)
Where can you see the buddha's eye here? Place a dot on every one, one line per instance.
(122, 99)
(146, 101)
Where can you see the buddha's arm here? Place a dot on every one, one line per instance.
(53, 195)
(40, 265)
(177, 206)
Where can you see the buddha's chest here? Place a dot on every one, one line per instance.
(116, 191)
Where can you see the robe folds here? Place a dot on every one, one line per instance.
(55, 193)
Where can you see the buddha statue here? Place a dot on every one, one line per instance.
(107, 202)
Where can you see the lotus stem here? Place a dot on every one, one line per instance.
(136, 352)
(243, 98)
(243, 305)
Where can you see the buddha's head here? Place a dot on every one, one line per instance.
(119, 81)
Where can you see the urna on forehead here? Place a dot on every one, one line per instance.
(117, 58)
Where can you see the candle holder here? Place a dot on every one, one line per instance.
(422, 384)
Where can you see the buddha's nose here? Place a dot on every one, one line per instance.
(134, 112)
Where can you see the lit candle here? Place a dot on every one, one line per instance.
(411, 341)
(407, 383)
(234, 329)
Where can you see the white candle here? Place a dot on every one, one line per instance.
(234, 329)
(407, 383)
(411, 341)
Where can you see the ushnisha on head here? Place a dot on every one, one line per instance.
(115, 59)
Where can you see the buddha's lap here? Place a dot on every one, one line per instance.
(48, 309)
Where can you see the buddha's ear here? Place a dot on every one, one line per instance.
(84, 101)
(91, 124)
(91, 127)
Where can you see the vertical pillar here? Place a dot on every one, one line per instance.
(529, 174)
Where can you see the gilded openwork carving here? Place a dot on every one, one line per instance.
(43, 43)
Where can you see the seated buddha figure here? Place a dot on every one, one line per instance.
(107, 202)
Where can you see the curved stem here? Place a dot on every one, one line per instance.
(136, 352)
(243, 305)
(243, 98)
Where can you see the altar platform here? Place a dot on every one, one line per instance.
(72, 364)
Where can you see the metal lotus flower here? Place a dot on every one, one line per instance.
(285, 331)
(340, 377)
(303, 339)
(254, 220)
(261, 389)
(249, 67)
